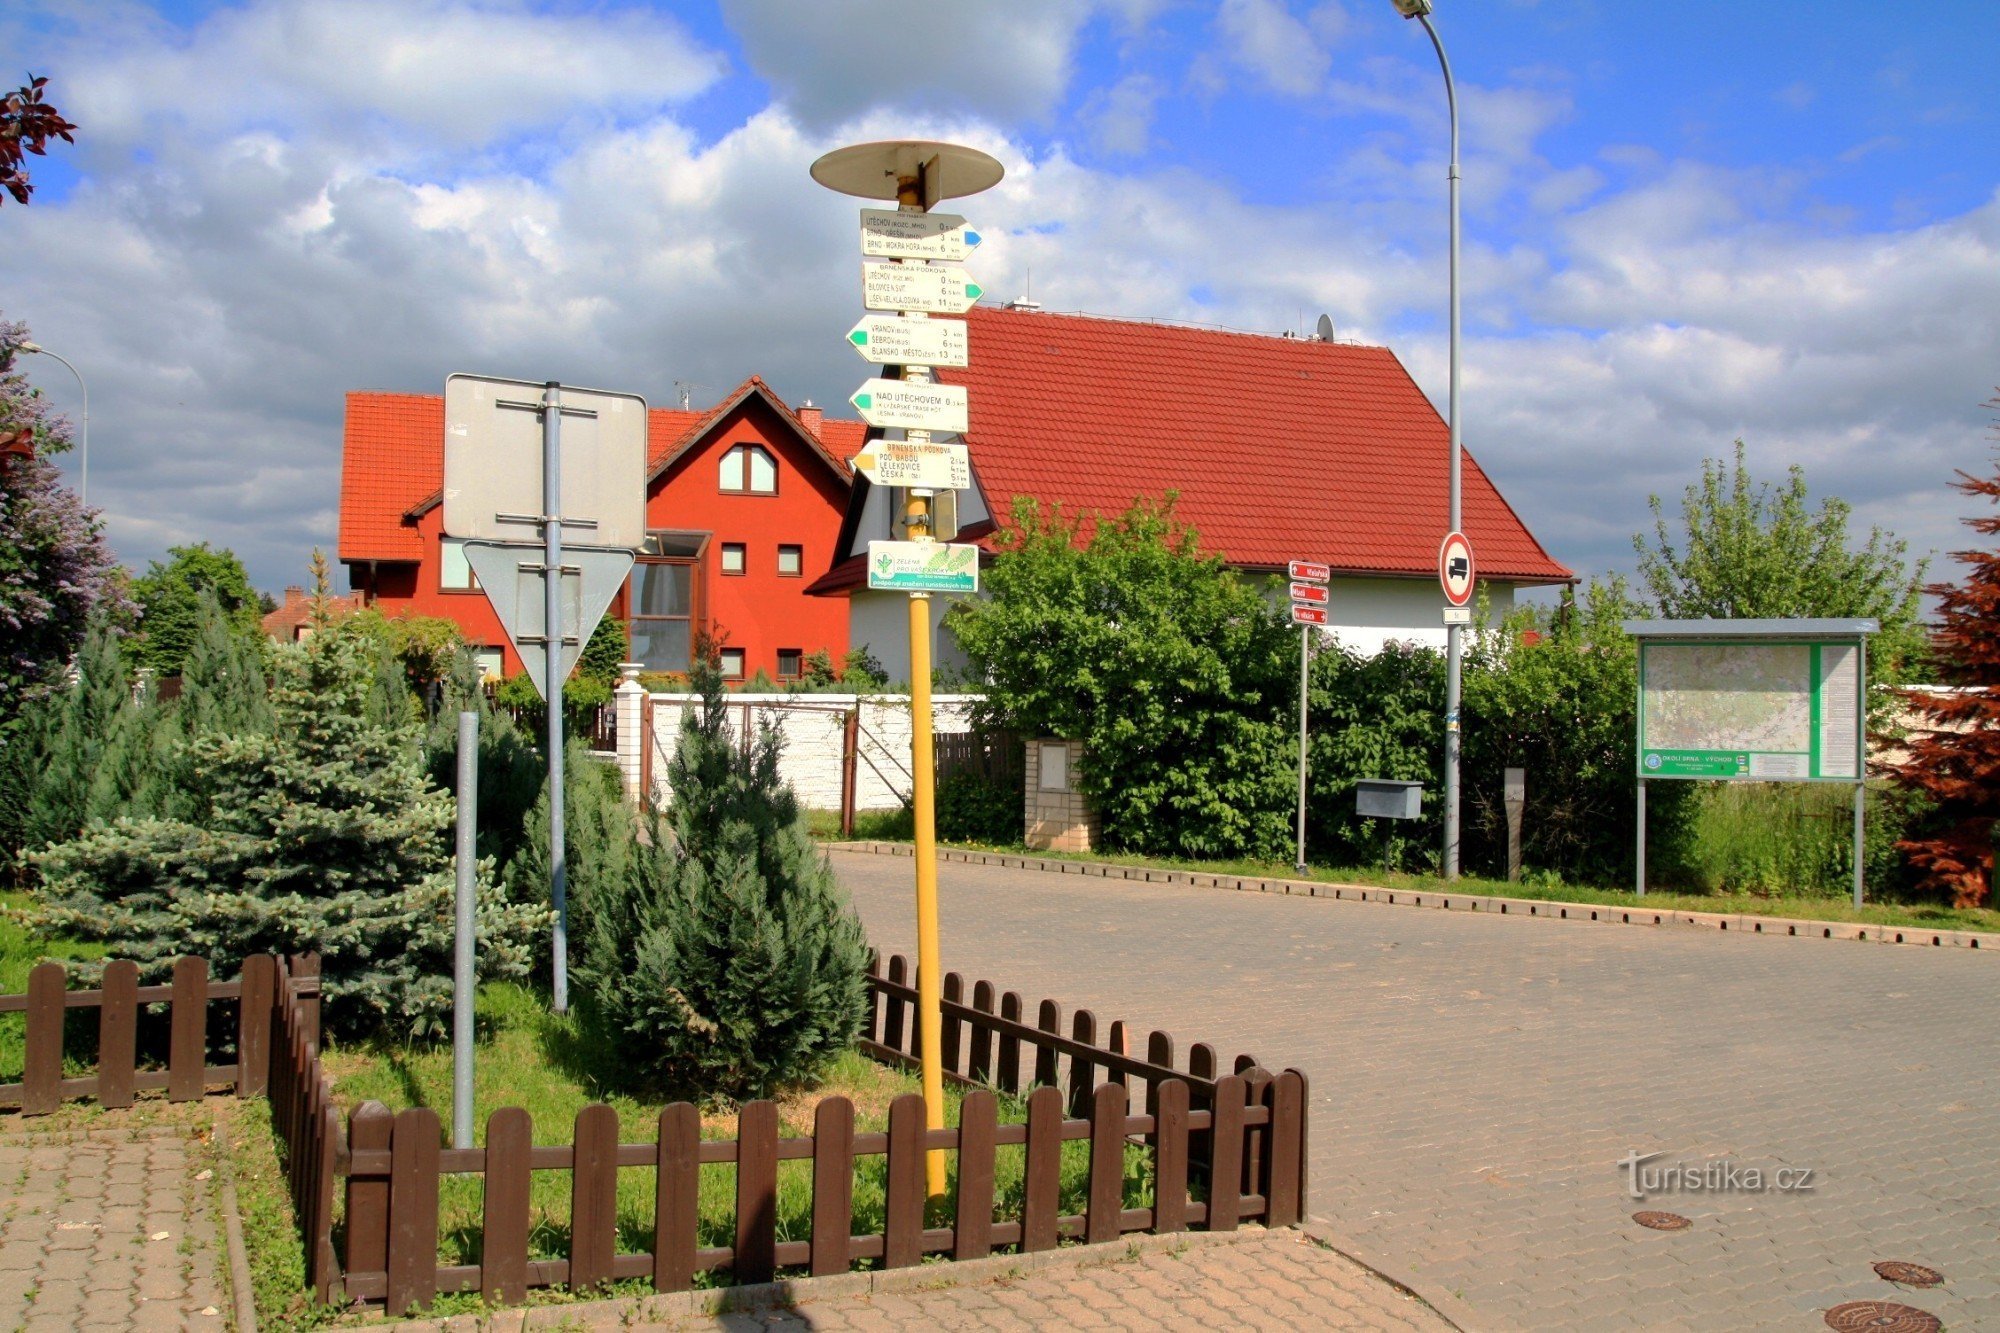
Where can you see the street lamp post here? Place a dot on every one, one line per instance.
(1420, 10)
(83, 471)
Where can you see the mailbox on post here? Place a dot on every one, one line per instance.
(1387, 798)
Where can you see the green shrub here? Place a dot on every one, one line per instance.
(729, 962)
(973, 808)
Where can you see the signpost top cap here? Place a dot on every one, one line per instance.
(872, 170)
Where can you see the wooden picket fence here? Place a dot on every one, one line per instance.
(1224, 1147)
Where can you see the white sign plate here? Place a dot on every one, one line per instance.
(888, 233)
(923, 567)
(889, 341)
(918, 287)
(510, 575)
(1458, 615)
(1455, 572)
(927, 467)
(493, 461)
(891, 404)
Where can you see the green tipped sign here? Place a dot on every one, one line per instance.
(922, 567)
(918, 288)
(889, 341)
(911, 405)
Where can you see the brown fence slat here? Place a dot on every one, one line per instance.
(1170, 1156)
(187, 1046)
(894, 1006)
(41, 1071)
(972, 1230)
(253, 1025)
(871, 1028)
(1201, 1065)
(593, 1208)
(1286, 1142)
(1256, 1092)
(1107, 1162)
(118, 1034)
(833, 1185)
(677, 1196)
(1048, 1019)
(371, 1127)
(321, 1269)
(1083, 1030)
(1225, 1175)
(503, 1252)
(1305, 1141)
(949, 1039)
(1120, 1043)
(413, 1210)
(1010, 1045)
(1042, 1183)
(979, 1066)
(903, 1225)
(305, 967)
(756, 1191)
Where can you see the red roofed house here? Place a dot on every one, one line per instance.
(1281, 449)
(743, 503)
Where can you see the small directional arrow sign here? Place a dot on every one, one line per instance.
(918, 287)
(1309, 592)
(889, 341)
(887, 233)
(928, 467)
(1308, 615)
(900, 403)
(1309, 571)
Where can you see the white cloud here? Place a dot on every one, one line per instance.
(1265, 38)
(1121, 116)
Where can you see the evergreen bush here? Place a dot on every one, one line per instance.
(729, 962)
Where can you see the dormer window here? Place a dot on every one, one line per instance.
(749, 469)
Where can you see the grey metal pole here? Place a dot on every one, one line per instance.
(1305, 641)
(1641, 866)
(1860, 762)
(83, 469)
(462, 978)
(552, 683)
(1454, 634)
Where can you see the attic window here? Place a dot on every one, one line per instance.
(749, 469)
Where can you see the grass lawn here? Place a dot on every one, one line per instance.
(20, 950)
(1928, 916)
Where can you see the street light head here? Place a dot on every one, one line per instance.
(1412, 9)
(27, 347)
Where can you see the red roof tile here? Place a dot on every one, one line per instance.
(392, 462)
(1281, 448)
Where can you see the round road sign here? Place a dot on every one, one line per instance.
(1455, 572)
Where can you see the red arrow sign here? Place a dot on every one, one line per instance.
(1309, 592)
(1305, 571)
(1308, 615)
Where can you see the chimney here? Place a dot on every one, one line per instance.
(294, 595)
(810, 417)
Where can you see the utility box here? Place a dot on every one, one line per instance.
(1387, 798)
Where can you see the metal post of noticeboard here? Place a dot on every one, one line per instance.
(1860, 760)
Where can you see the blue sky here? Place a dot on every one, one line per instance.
(1684, 222)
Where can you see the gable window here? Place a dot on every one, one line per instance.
(662, 600)
(734, 559)
(789, 662)
(791, 561)
(732, 664)
(454, 570)
(749, 469)
(490, 661)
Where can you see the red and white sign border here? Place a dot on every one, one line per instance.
(1463, 597)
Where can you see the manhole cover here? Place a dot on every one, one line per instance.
(1882, 1317)
(1908, 1275)
(1662, 1221)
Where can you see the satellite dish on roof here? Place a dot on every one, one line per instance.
(1326, 328)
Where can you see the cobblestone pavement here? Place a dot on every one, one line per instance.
(105, 1229)
(1477, 1079)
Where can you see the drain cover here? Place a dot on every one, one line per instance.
(1908, 1275)
(1662, 1221)
(1882, 1317)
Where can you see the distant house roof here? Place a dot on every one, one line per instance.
(392, 460)
(283, 624)
(1280, 448)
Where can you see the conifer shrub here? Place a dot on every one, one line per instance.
(321, 833)
(728, 962)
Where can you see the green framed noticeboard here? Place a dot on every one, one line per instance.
(1752, 710)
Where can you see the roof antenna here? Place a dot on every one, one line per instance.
(687, 388)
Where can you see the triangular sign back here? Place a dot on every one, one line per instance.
(511, 577)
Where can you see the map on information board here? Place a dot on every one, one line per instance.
(1760, 711)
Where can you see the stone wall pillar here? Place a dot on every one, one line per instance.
(1058, 816)
(630, 701)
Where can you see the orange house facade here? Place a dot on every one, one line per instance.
(743, 507)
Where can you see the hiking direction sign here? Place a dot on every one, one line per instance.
(919, 289)
(889, 340)
(912, 405)
(922, 567)
(929, 467)
(890, 233)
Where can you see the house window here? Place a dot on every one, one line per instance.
(791, 561)
(749, 469)
(491, 661)
(662, 600)
(454, 570)
(732, 664)
(789, 662)
(733, 558)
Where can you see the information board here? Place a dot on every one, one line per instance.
(1758, 711)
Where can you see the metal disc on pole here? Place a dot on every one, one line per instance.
(872, 170)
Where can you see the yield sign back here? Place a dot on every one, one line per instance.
(511, 576)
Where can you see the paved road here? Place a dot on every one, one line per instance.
(105, 1229)
(1477, 1080)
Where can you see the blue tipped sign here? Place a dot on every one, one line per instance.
(888, 233)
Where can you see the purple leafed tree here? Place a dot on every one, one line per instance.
(27, 123)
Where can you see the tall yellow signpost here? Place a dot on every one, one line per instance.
(908, 399)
